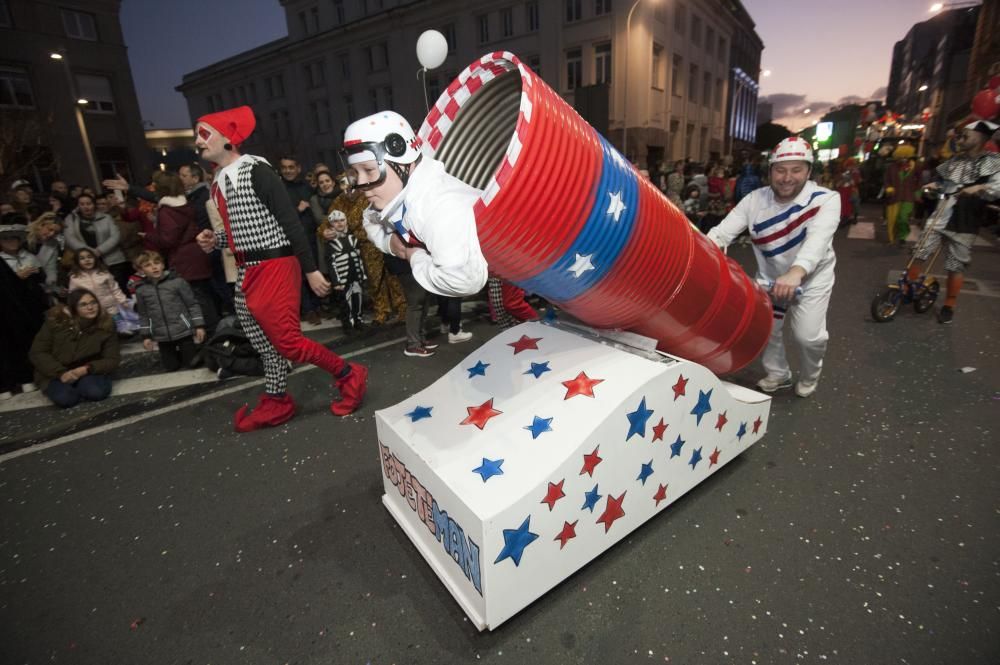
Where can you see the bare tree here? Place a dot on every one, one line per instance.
(23, 146)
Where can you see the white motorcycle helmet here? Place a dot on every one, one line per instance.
(793, 149)
(383, 137)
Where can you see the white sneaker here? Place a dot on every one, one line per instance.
(6, 395)
(459, 337)
(28, 387)
(806, 388)
(770, 384)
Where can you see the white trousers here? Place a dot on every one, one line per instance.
(805, 317)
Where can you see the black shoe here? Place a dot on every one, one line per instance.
(945, 315)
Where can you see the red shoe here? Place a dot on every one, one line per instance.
(352, 390)
(270, 411)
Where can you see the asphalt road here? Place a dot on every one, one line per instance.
(862, 529)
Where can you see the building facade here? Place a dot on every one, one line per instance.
(39, 94)
(343, 59)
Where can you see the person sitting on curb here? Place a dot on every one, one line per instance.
(76, 351)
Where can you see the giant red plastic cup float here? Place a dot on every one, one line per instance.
(565, 216)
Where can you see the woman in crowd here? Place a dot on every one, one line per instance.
(86, 228)
(174, 237)
(76, 351)
(44, 244)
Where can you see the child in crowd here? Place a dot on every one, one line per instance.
(90, 272)
(345, 267)
(169, 313)
(694, 206)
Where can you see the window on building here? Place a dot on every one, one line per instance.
(433, 88)
(535, 63)
(602, 63)
(345, 66)
(4, 15)
(303, 23)
(507, 22)
(349, 108)
(688, 141)
(531, 9)
(280, 126)
(314, 19)
(602, 7)
(484, 28)
(373, 99)
(706, 90)
(387, 96)
(695, 29)
(338, 11)
(574, 10)
(676, 85)
(209, 102)
(709, 39)
(718, 94)
(693, 83)
(218, 102)
(680, 18)
(15, 89)
(79, 25)
(378, 57)
(314, 74)
(275, 86)
(111, 160)
(252, 92)
(659, 73)
(97, 91)
(319, 116)
(574, 69)
(703, 143)
(449, 36)
(721, 54)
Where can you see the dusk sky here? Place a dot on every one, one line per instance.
(820, 53)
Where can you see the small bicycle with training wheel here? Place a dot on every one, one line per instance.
(922, 291)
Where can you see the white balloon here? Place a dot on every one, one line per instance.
(432, 49)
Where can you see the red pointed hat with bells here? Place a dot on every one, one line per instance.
(236, 124)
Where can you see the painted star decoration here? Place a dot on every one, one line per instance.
(645, 472)
(480, 415)
(660, 495)
(675, 447)
(537, 369)
(568, 532)
(539, 426)
(703, 406)
(742, 431)
(525, 343)
(695, 458)
(721, 421)
(479, 369)
(590, 462)
(581, 385)
(419, 413)
(515, 540)
(756, 424)
(659, 429)
(680, 387)
(554, 493)
(590, 499)
(489, 468)
(582, 264)
(637, 420)
(616, 207)
(612, 511)
(713, 459)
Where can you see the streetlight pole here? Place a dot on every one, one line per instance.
(81, 124)
(628, 41)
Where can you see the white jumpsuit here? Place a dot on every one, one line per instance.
(434, 211)
(785, 234)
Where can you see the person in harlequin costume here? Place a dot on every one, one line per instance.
(384, 288)
(416, 212)
(263, 231)
(902, 182)
(791, 223)
(969, 180)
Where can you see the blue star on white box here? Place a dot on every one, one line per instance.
(545, 447)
